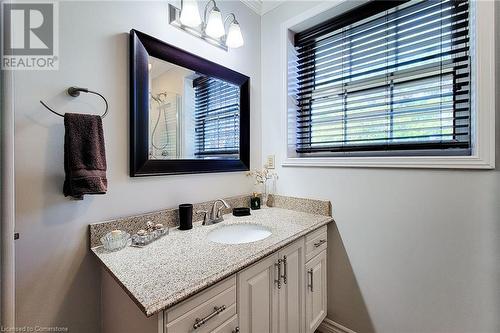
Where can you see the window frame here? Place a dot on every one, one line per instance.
(482, 102)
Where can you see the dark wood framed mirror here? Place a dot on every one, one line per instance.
(187, 114)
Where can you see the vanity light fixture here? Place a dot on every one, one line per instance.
(234, 39)
(212, 28)
(190, 14)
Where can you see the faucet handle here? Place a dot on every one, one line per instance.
(219, 210)
(205, 215)
(225, 203)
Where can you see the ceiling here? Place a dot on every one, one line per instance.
(262, 6)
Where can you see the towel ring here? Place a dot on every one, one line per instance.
(75, 92)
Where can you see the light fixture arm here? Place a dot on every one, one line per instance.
(206, 11)
(230, 16)
(182, 5)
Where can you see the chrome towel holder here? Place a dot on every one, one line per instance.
(75, 92)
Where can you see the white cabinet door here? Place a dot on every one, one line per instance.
(291, 293)
(258, 297)
(315, 292)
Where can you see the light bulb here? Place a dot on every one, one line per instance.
(190, 15)
(234, 37)
(215, 27)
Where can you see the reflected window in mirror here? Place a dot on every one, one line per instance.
(217, 118)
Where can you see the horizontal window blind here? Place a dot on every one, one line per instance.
(387, 76)
(217, 118)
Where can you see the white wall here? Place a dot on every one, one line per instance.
(57, 280)
(171, 81)
(416, 250)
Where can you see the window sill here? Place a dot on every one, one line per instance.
(441, 162)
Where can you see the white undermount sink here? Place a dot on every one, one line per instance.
(239, 233)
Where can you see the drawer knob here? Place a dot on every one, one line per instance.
(236, 330)
(200, 322)
(318, 244)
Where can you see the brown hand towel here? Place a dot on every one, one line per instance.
(84, 156)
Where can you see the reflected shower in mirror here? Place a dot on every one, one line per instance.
(191, 115)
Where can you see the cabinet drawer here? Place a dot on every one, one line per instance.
(185, 324)
(316, 242)
(228, 327)
(183, 317)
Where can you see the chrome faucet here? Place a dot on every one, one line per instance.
(215, 215)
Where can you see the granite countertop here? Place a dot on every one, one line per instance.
(179, 265)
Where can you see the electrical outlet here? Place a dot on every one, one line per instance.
(270, 162)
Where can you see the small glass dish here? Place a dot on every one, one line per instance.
(114, 241)
(140, 240)
(160, 232)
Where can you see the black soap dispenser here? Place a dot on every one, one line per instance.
(255, 201)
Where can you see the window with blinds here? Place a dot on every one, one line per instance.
(390, 76)
(217, 118)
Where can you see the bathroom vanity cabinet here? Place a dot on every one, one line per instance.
(284, 292)
(316, 284)
(265, 272)
(271, 292)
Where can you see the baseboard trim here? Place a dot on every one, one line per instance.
(329, 326)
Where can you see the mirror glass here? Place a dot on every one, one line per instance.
(191, 115)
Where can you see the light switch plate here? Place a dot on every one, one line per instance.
(270, 162)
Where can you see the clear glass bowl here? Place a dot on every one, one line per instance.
(115, 242)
